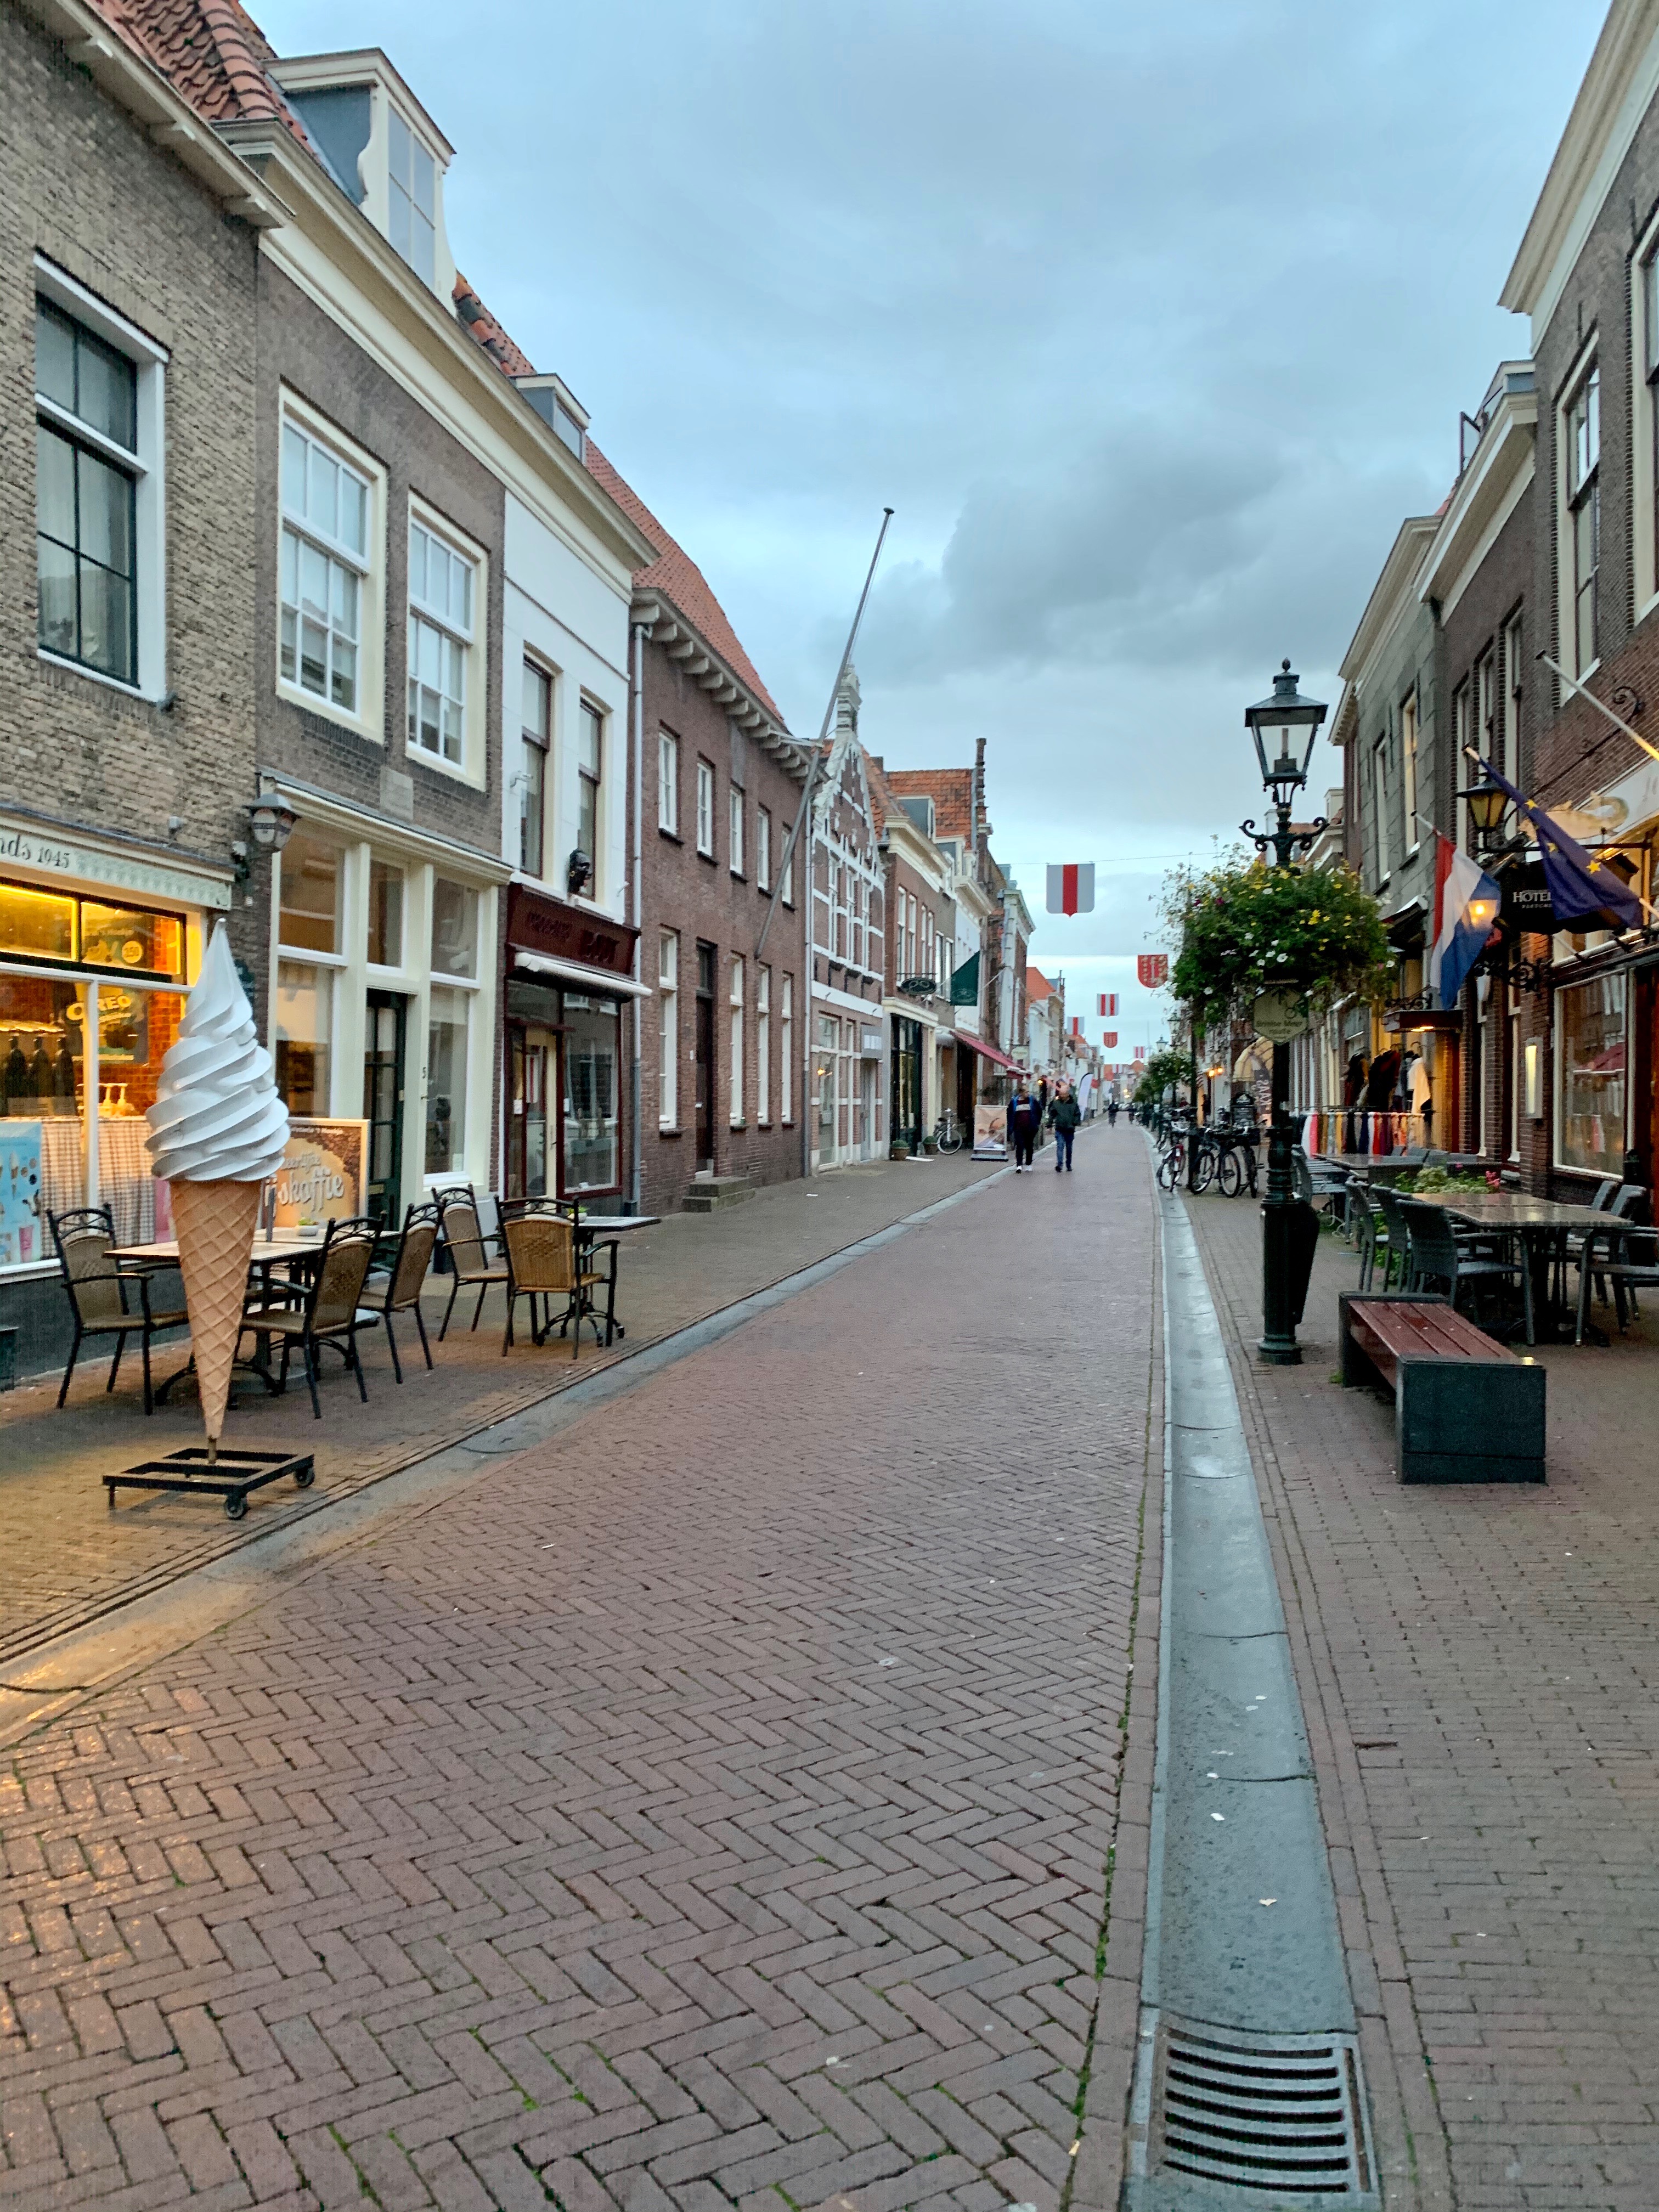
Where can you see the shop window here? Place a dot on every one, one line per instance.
(308, 917)
(1589, 1075)
(130, 938)
(36, 925)
(445, 1080)
(455, 928)
(386, 914)
(304, 1028)
(590, 1094)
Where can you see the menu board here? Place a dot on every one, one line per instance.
(990, 1131)
(22, 1231)
(321, 1177)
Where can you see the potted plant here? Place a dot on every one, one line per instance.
(1246, 928)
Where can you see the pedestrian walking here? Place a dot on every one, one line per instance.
(1063, 1118)
(1025, 1121)
(1111, 1113)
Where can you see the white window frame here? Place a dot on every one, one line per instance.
(763, 1045)
(1408, 738)
(368, 720)
(668, 994)
(734, 813)
(1514, 682)
(146, 464)
(601, 725)
(1380, 808)
(423, 223)
(528, 743)
(705, 810)
(1644, 421)
(763, 849)
(787, 1050)
(1462, 735)
(1576, 480)
(473, 641)
(668, 782)
(735, 1006)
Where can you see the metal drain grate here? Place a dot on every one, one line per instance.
(1282, 2114)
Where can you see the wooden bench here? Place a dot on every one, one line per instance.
(1466, 1408)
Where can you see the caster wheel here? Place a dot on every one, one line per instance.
(304, 1477)
(235, 1505)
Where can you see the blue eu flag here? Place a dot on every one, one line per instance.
(1583, 887)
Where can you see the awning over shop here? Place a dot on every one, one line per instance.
(988, 1051)
(600, 981)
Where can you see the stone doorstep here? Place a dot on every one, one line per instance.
(709, 1193)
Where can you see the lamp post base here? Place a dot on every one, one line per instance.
(1278, 1346)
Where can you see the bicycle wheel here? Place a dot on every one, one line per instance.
(952, 1143)
(1231, 1174)
(1172, 1167)
(1204, 1169)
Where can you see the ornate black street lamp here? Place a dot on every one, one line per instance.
(1486, 801)
(1284, 727)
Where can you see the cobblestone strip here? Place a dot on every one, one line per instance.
(708, 1809)
(1479, 1665)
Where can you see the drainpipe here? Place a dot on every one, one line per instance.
(637, 709)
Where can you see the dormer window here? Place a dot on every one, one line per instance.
(413, 208)
(559, 408)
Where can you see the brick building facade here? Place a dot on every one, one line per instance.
(127, 525)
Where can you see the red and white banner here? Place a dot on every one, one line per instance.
(1141, 1052)
(1077, 1025)
(1108, 1002)
(1109, 1039)
(1072, 888)
(1153, 969)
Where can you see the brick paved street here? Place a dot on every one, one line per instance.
(1478, 1670)
(67, 1559)
(713, 1807)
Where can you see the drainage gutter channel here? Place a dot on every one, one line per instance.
(41, 1683)
(1248, 2090)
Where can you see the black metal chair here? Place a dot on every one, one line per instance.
(1440, 1259)
(398, 1289)
(464, 1248)
(1628, 1260)
(97, 1288)
(329, 1309)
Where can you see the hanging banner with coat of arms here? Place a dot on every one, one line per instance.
(1153, 969)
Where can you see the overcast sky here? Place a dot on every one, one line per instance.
(1152, 324)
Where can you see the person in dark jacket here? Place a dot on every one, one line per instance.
(1063, 1118)
(1025, 1121)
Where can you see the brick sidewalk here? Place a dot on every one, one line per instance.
(709, 1808)
(66, 1559)
(1478, 1667)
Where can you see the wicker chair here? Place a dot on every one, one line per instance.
(542, 1245)
(398, 1290)
(98, 1289)
(329, 1311)
(464, 1241)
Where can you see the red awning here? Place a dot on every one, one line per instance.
(987, 1051)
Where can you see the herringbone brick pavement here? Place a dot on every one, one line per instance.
(709, 1808)
(1478, 1667)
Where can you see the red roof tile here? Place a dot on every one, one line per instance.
(476, 317)
(950, 789)
(1037, 986)
(211, 52)
(678, 577)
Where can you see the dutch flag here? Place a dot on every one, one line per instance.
(1465, 914)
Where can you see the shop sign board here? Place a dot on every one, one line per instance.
(536, 923)
(322, 1174)
(1524, 898)
(1278, 1016)
(24, 848)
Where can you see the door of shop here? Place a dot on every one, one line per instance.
(531, 1074)
(705, 1122)
(385, 1037)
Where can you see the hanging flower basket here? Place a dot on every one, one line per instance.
(1248, 928)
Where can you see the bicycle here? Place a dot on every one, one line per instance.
(1172, 1168)
(946, 1135)
(1236, 1160)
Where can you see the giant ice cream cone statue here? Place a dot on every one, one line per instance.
(217, 1132)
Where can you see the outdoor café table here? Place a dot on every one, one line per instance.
(1541, 1225)
(593, 1230)
(289, 1248)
